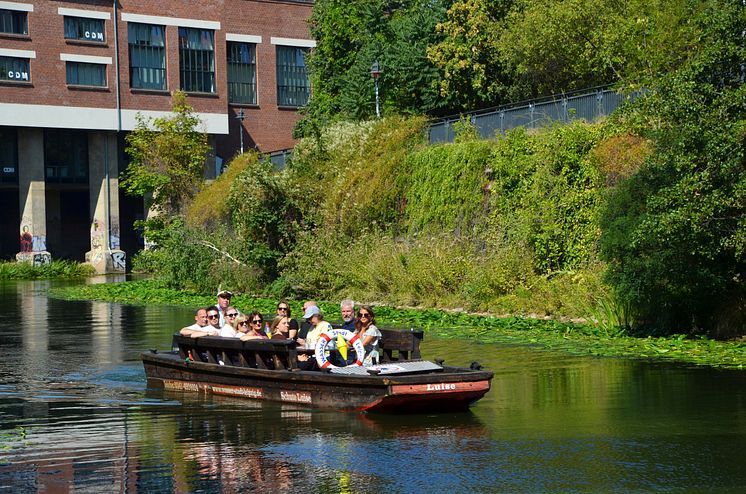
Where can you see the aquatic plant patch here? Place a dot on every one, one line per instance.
(564, 336)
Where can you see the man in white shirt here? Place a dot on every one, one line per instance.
(213, 326)
(224, 300)
(200, 321)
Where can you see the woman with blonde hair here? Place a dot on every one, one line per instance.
(280, 328)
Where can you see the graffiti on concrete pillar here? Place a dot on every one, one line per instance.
(114, 237)
(42, 258)
(27, 239)
(97, 237)
(118, 261)
(39, 243)
(30, 242)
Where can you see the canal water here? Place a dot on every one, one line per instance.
(76, 415)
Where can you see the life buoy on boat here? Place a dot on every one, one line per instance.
(351, 338)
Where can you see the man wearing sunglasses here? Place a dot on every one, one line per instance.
(213, 324)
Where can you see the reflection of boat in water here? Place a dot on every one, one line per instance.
(268, 370)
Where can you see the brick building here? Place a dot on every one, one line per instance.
(75, 74)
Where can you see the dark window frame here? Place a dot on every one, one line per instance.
(16, 74)
(66, 156)
(293, 82)
(82, 72)
(197, 60)
(241, 67)
(14, 22)
(8, 155)
(147, 56)
(76, 29)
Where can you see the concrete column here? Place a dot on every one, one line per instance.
(31, 194)
(105, 254)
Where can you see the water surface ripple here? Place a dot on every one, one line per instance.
(76, 415)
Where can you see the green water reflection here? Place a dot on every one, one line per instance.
(75, 415)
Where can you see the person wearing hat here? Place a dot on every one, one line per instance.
(318, 325)
(224, 300)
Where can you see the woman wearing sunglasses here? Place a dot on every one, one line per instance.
(256, 322)
(365, 326)
(229, 328)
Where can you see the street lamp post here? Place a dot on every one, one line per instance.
(240, 116)
(375, 72)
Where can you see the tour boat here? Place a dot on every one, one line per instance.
(268, 370)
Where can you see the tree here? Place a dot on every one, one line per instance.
(167, 157)
(350, 36)
(674, 234)
(467, 56)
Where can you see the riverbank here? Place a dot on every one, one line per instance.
(587, 339)
(60, 270)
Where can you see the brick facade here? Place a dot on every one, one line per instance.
(61, 145)
(267, 126)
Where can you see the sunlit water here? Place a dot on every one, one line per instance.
(75, 415)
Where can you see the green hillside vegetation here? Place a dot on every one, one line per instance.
(635, 223)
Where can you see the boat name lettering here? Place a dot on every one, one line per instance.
(441, 387)
(295, 397)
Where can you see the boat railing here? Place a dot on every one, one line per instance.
(256, 354)
(395, 345)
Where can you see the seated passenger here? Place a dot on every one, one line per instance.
(369, 333)
(280, 328)
(255, 332)
(213, 327)
(283, 309)
(200, 321)
(242, 325)
(229, 330)
(318, 326)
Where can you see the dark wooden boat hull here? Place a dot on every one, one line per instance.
(452, 389)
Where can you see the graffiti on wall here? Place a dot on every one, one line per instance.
(97, 235)
(30, 242)
(118, 261)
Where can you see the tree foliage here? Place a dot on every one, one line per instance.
(167, 157)
(467, 55)
(350, 36)
(674, 232)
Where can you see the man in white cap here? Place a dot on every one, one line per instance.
(224, 300)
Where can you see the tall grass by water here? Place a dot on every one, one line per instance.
(53, 270)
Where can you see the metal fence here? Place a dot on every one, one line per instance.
(588, 105)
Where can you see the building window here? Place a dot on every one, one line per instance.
(242, 73)
(293, 86)
(86, 74)
(197, 60)
(8, 155)
(14, 69)
(147, 56)
(83, 29)
(66, 156)
(13, 22)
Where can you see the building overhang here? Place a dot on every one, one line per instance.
(75, 117)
